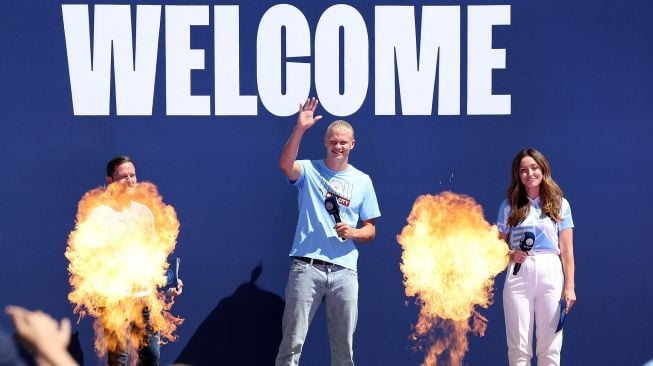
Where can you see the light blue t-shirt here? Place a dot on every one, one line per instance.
(315, 236)
(545, 230)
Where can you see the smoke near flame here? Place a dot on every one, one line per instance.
(117, 258)
(450, 258)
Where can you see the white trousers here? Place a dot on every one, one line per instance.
(531, 300)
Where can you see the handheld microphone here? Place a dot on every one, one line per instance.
(525, 244)
(332, 207)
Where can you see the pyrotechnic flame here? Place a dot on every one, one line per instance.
(449, 260)
(117, 253)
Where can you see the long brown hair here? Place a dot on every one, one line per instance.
(550, 192)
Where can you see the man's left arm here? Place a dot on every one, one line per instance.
(369, 208)
(364, 233)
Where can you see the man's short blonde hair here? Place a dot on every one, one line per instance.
(339, 124)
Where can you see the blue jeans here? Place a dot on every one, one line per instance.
(308, 286)
(148, 355)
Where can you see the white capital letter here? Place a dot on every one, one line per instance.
(327, 60)
(439, 41)
(90, 75)
(482, 59)
(228, 100)
(181, 59)
(268, 60)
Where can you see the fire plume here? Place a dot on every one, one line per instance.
(117, 259)
(450, 258)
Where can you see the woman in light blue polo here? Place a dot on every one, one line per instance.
(535, 208)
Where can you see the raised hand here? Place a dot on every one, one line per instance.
(306, 118)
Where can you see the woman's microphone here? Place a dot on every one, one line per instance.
(525, 244)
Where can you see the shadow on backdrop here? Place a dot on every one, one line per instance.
(75, 348)
(244, 329)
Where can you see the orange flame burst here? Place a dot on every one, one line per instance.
(117, 253)
(449, 260)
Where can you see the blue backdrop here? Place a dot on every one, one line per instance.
(581, 87)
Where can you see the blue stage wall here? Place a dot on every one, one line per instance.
(580, 84)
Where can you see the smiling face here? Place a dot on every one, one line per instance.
(339, 142)
(530, 175)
